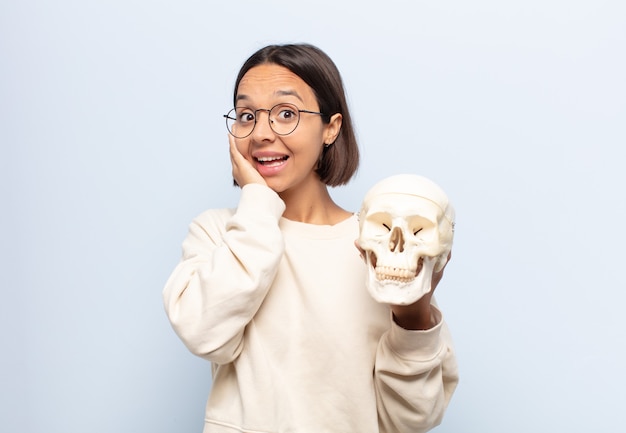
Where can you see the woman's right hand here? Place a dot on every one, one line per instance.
(243, 171)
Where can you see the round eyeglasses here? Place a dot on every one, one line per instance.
(283, 119)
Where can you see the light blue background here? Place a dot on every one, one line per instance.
(112, 140)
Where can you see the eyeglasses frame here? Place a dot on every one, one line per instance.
(227, 117)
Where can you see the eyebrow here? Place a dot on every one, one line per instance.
(244, 97)
(289, 93)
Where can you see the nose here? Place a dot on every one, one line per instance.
(396, 240)
(262, 129)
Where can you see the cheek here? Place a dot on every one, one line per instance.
(306, 153)
(309, 142)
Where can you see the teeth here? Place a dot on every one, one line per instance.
(270, 158)
(394, 274)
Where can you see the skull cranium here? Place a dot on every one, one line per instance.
(406, 230)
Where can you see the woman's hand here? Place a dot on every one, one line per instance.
(417, 316)
(243, 171)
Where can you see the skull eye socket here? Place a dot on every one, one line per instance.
(423, 229)
(378, 224)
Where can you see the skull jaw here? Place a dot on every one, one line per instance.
(402, 293)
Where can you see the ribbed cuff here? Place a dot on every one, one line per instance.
(417, 345)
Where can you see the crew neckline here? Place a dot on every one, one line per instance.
(319, 231)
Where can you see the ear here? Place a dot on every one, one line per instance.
(332, 129)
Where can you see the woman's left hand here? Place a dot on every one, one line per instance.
(417, 316)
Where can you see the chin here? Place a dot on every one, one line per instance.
(275, 186)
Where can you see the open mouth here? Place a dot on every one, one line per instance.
(271, 161)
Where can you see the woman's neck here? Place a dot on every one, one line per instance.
(313, 205)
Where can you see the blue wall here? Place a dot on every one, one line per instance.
(112, 140)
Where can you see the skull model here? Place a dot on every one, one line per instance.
(406, 230)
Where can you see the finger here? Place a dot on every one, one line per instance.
(361, 250)
(235, 155)
(243, 171)
(237, 160)
(437, 276)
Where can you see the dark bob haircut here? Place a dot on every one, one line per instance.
(339, 161)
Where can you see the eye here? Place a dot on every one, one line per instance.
(386, 226)
(417, 231)
(286, 114)
(245, 116)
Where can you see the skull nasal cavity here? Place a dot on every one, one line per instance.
(396, 243)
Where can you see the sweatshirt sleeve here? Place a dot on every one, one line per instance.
(227, 267)
(415, 375)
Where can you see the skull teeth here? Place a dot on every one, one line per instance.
(394, 274)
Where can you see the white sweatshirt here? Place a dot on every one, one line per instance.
(297, 344)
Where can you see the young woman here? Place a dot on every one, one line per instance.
(273, 292)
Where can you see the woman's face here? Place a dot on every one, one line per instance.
(286, 162)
